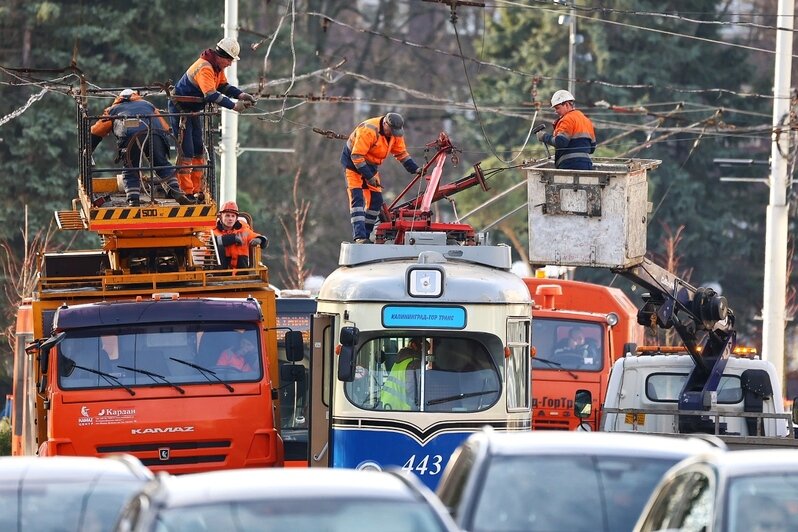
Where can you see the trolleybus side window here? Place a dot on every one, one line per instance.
(427, 373)
(517, 364)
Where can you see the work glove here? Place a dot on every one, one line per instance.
(541, 135)
(240, 106)
(231, 240)
(372, 181)
(410, 165)
(261, 241)
(247, 97)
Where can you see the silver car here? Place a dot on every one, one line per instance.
(296, 500)
(66, 493)
(558, 481)
(740, 491)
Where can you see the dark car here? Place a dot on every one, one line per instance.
(66, 493)
(295, 500)
(558, 481)
(741, 491)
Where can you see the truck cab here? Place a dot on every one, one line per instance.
(602, 319)
(643, 396)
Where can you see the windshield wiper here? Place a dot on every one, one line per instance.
(152, 375)
(110, 379)
(205, 372)
(459, 396)
(556, 365)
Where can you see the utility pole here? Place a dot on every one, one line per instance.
(228, 180)
(572, 50)
(774, 301)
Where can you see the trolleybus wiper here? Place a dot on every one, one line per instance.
(556, 365)
(205, 372)
(152, 375)
(111, 379)
(459, 396)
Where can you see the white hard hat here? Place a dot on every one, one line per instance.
(126, 94)
(561, 96)
(229, 46)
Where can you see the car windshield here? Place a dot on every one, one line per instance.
(302, 515)
(89, 505)
(762, 502)
(578, 493)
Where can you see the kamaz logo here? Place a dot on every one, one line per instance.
(161, 430)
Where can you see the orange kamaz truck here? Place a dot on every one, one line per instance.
(579, 330)
(144, 345)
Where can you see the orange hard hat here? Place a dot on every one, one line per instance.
(229, 206)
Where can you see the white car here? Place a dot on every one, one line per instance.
(66, 493)
(558, 480)
(292, 499)
(740, 491)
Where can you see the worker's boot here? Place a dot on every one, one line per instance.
(179, 197)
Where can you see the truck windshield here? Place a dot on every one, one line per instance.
(150, 355)
(567, 345)
(427, 373)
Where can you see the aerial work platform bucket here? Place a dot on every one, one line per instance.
(593, 217)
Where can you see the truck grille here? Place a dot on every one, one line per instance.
(173, 453)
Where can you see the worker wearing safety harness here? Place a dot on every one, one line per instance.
(140, 130)
(368, 146)
(574, 138)
(234, 238)
(203, 83)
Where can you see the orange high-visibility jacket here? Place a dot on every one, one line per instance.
(368, 147)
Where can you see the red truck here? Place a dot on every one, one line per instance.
(579, 330)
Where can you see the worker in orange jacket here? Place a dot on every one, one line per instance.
(203, 83)
(368, 146)
(574, 138)
(235, 236)
(148, 136)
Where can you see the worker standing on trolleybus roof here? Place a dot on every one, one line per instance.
(204, 82)
(145, 136)
(574, 138)
(368, 146)
(235, 236)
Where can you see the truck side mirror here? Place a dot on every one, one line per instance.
(43, 347)
(292, 373)
(294, 346)
(794, 414)
(346, 356)
(583, 403)
(629, 349)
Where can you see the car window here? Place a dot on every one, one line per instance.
(684, 504)
(759, 503)
(545, 489)
(303, 515)
(86, 505)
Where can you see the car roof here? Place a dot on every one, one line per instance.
(604, 443)
(288, 483)
(53, 469)
(752, 461)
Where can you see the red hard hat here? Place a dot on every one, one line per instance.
(229, 206)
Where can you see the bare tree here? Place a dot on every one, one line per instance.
(294, 257)
(20, 277)
(671, 261)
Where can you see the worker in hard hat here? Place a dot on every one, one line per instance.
(368, 146)
(236, 237)
(203, 83)
(147, 135)
(574, 138)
